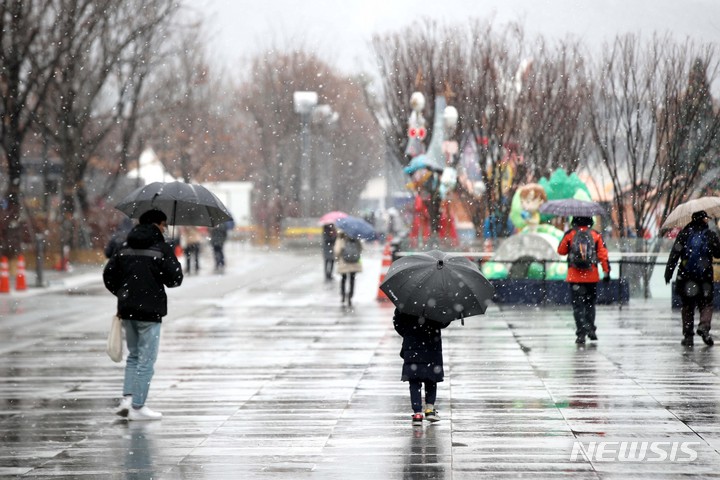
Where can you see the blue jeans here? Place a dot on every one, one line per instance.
(143, 340)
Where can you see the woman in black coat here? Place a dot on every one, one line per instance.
(423, 361)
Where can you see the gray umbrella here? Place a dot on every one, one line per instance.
(437, 286)
(570, 207)
(682, 214)
(183, 203)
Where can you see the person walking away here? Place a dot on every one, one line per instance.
(694, 248)
(118, 237)
(422, 362)
(218, 236)
(137, 275)
(348, 252)
(193, 239)
(584, 248)
(329, 235)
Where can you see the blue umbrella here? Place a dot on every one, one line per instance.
(356, 228)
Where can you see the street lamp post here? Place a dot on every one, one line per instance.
(304, 103)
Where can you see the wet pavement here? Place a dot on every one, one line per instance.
(262, 374)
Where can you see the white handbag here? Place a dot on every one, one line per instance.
(115, 340)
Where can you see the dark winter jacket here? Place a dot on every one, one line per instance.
(680, 252)
(421, 347)
(328, 241)
(218, 235)
(138, 273)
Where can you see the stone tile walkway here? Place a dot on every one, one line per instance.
(262, 374)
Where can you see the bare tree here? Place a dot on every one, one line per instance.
(93, 82)
(30, 49)
(184, 99)
(653, 125)
(424, 57)
(477, 69)
(554, 107)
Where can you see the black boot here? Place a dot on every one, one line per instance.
(706, 338)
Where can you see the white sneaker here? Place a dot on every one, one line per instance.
(143, 414)
(124, 407)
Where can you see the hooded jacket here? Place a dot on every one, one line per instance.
(138, 273)
(421, 347)
(680, 252)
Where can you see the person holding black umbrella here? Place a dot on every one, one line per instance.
(137, 275)
(431, 290)
(585, 248)
(422, 361)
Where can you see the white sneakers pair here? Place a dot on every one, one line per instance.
(138, 415)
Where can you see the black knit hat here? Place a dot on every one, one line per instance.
(582, 222)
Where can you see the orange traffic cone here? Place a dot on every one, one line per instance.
(386, 262)
(4, 275)
(20, 282)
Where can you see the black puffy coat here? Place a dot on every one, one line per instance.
(138, 273)
(421, 347)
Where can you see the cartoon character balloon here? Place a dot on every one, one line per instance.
(416, 126)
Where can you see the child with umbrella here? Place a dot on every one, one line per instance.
(422, 361)
(430, 290)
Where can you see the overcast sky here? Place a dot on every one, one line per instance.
(340, 30)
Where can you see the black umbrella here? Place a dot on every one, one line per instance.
(437, 286)
(571, 207)
(183, 203)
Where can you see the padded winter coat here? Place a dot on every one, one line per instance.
(421, 347)
(591, 275)
(138, 273)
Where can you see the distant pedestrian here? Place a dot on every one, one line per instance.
(585, 248)
(137, 275)
(694, 247)
(118, 237)
(192, 239)
(329, 235)
(422, 362)
(218, 236)
(348, 252)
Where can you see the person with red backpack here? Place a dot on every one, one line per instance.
(585, 248)
(694, 247)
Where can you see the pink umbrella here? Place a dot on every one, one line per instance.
(331, 217)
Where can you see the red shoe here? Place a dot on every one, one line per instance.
(417, 419)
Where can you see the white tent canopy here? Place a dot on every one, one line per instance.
(150, 169)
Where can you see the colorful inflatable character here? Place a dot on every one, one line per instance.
(524, 211)
(431, 178)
